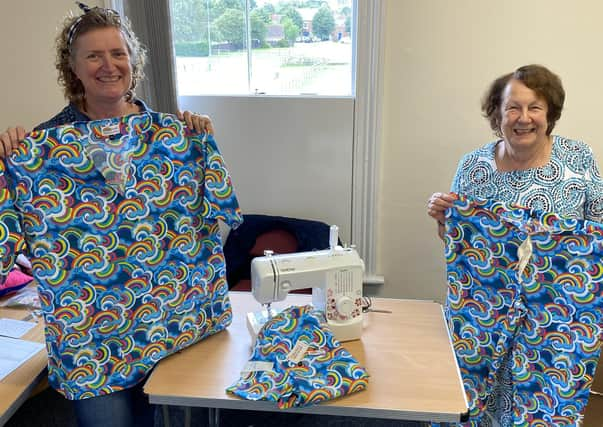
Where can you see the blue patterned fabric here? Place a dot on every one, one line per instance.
(543, 321)
(71, 114)
(120, 217)
(321, 370)
(569, 184)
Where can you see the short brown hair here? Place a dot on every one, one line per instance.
(540, 79)
(73, 28)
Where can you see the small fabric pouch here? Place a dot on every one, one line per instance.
(296, 361)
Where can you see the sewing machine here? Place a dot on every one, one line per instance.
(335, 276)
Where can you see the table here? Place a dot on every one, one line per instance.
(16, 387)
(405, 347)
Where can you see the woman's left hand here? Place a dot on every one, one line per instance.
(199, 122)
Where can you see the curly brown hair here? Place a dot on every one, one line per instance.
(74, 27)
(540, 79)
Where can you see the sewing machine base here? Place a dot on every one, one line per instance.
(347, 332)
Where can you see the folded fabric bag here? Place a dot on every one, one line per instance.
(296, 361)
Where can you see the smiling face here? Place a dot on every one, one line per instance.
(101, 61)
(523, 116)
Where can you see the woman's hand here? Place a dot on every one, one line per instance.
(199, 122)
(9, 140)
(436, 208)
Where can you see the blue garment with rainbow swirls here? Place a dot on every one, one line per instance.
(548, 317)
(120, 219)
(321, 370)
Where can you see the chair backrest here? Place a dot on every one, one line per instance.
(278, 240)
(279, 234)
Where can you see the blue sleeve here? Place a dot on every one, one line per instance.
(593, 205)
(219, 199)
(456, 185)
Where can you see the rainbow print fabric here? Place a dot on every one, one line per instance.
(296, 361)
(547, 312)
(120, 218)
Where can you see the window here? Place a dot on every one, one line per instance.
(272, 47)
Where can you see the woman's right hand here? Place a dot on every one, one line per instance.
(9, 140)
(436, 208)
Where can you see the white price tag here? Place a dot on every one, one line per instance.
(298, 352)
(254, 366)
(524, 253)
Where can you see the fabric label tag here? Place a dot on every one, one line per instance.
(298, 352)
(110, 130)
(524, 253)
(252, 366)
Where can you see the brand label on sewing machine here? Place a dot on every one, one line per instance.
(252, 366)
(298, 352)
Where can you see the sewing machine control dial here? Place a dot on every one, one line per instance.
(345, 306)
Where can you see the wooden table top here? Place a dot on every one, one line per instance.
(407, 352)
(17, 386)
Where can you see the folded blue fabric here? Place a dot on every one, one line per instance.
(296, 361)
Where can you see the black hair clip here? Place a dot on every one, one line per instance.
(86, 9)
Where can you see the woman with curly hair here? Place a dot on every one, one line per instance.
(99, 62)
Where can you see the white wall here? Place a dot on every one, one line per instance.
(28, 78)
(440, 57)
(287, 156)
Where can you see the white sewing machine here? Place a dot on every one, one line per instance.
(335, 276)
